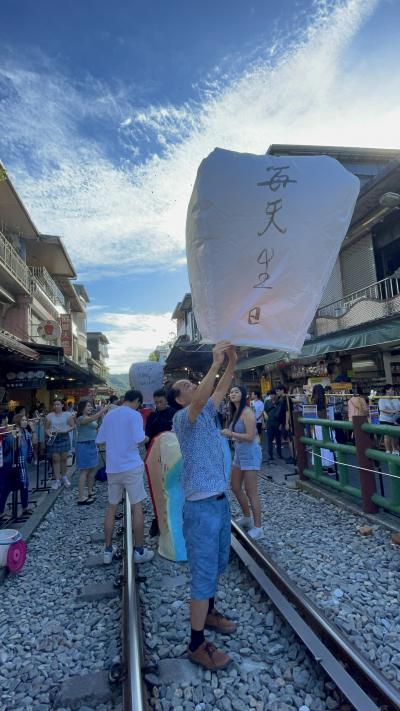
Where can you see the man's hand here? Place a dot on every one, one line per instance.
(219, 351)
(232, 354)
(226, 432)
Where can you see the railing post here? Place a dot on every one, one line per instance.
(367, 478)
(301, 452)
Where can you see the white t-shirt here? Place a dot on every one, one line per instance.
(258, 407)
(59, 423)
(121, 431)
(393, 409)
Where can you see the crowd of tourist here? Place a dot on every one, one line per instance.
(202, 416)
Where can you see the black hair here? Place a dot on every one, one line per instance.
(172, 394)
(328, 389)
(236, 412)
(318, 397)
(81, 406)
(257, 393)
(358, 390)
(160, 393)
(281, 387)
(271, 392)
(112, 399)
(132, 395)
(385, 387)
(19, 409)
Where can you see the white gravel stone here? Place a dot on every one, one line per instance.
(353, 579)
(48, 637)
(250, 682)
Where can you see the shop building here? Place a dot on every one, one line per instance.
(98, 353)
(42, 310)
(188, 357)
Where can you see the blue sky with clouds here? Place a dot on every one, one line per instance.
(106, 111)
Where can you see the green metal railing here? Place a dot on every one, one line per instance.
(392, 460)
(364, 452)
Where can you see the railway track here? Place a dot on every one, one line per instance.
(359, 682)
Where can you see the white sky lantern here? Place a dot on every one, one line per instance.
(146, 377)
(262, 236)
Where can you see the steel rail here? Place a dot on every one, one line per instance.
(134, 692)
(350, 670)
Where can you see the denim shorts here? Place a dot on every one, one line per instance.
(207, 533)
(86, 455)
(247, 458)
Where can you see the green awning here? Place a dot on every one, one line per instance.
(362, 337)
(372, 335)
(266, 359)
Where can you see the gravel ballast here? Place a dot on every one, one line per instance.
(271, 669)
(354, 579)
(47, 634)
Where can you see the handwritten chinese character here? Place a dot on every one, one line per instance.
(254, 316)
(278, 180)
(265, 259)
(272, 208)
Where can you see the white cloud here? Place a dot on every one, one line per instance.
(133, 336)
(132, 216)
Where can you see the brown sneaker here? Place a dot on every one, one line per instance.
(217, 622)
(209, 657)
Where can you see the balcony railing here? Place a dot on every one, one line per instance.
(41, 278)
(13, 263)
(380, 291)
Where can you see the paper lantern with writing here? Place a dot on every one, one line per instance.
(146, 377)
(262, 237)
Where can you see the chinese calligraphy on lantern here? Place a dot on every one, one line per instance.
(278, 179)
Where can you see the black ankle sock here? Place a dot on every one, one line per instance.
(211, 604)
(196, 639)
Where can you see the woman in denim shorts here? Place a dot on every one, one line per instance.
(86, 449)
(58, 425)
(247, 460)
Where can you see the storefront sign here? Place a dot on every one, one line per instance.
(49, 330)
(26, 380)
(304, 371)
(66, 333)
(266, 385)
(340, 387)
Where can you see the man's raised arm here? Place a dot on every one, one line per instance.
(226, 380)
(203, 392)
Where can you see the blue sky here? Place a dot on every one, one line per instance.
(107, 109)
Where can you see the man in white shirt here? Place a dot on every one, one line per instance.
(122, 431)
(389, 412)
(257, 405)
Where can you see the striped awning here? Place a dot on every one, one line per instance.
(11, 344)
